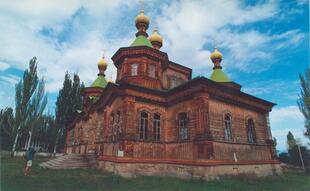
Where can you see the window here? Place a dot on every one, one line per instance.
(250, 131)
(183, 126)
(173, 81)
(156, 127)
(143, 125)
(227, 130)
(72, 133)
(134, 69)
(152, 71)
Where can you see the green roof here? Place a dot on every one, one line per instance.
(219, 76)
(100, 82)
(141, 41)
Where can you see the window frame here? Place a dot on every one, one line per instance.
(228, 136)
(156, 127)
(152, 71)
(143, 125)
(250, 131)
(134, 69)
(183, 127)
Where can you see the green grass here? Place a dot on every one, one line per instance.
(12, 178)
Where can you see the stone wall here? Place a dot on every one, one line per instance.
(188, 171)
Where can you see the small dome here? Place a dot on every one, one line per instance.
(155, 37)
(142, 18)
(102, 62)
(111, 80)
(216, 55)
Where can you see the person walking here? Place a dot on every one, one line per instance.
(29, 157)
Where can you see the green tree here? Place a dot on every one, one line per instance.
(23, 93)
(294, 155)
(304, 99)
(291, 141)
(69, 101)
(36, 108)
(7, 124)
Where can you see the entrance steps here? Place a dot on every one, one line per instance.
(71, 161)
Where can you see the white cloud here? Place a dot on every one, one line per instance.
(22, 37)
(275, 87)
(11, 79)
(286, 113)
(4, 66)
(79, 31)
(189, 26)
(286, 119)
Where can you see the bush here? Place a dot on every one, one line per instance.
(294, 157)
(284, 157)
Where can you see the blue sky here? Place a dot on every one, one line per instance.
(265, 44)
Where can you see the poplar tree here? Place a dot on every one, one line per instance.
(304, 99)
(291, 141)
(69, 101)
(23, 93)
(7, 124)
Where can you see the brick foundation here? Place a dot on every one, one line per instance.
(201, 169)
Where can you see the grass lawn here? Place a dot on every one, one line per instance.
(12, 178)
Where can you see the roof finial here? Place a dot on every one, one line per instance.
(142, 6)
(156, 27)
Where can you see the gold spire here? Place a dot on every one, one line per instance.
(156, 39)
(216, 57)
(102, 65)
(142, 22)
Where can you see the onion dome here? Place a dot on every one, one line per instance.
(216, 56)
(142, 18)
(142, 23)
(102, 65)
(101, 82)
(156, 40)
(218, 75)
(110, 80)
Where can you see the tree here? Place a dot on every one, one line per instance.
(69, 100)
(36, 108)
(294, 156)
(304, 99)
(7, 124)
(23, 93)
(291, 141)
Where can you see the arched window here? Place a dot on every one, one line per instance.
(152, 71)
(250, 131)
(134, 69)
(182, 118)
(227, 127)
(143, 125)
(156, 126)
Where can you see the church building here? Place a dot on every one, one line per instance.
(156, 119)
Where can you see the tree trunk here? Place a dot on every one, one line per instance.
(56, 141)
(29, 140)
(15, 141)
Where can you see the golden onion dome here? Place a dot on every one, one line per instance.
(102, 62)
(216, 55)
(142, 18)
(155, 37)
(111, 80)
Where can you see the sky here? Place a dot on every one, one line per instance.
(265, 44)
